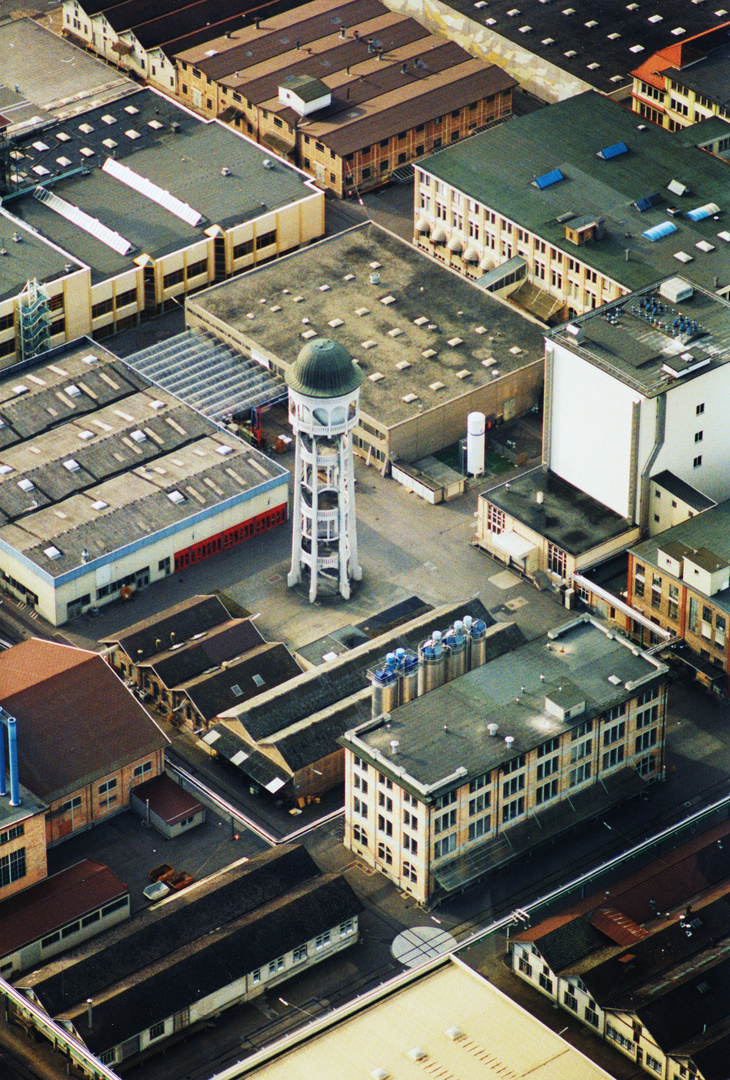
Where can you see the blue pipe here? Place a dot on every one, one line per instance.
(3, 782)
(13, 757)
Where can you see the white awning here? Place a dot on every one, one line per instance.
(455, 244)
(486, 263)
(423, 225)
(471, 255)
(438, 236)
(512, 544)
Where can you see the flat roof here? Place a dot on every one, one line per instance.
(451, 1013)
(708, 532)
(446, 334)
(498, 168)
(708, 75)
(566, 516)
(445, 730)
(92, 458)
(599, 44)
(29, 256)
(52, 74)
(637, 337)
(682, 490)
(164, 143)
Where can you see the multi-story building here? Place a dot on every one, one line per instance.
(657, 362)
(347, 89)
(643, 964)
(680, 580)
(111, 215)
(684, 83)
(472, 774)
(574, 206)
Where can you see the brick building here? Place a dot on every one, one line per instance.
(350, 92)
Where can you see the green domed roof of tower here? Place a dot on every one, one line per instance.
(324, 369)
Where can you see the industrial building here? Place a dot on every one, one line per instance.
(110, 215)
(285, 741)
(58, 913)
(643, 964)
(432, 346)
(492, 759)
(637, 386)
(556, 52)
(443, 1016)
(193, 661)
(108, 484)
(571, 207)
(46, 77)
(347, 89)
(686, 82)
(227, 939)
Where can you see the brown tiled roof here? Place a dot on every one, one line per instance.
(60, 899)
(167, 799)
(199, 613)
(618, 927)
(76, 724)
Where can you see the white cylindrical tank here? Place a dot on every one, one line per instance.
(476, 426)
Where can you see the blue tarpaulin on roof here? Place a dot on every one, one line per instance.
(659, 231)
(548, 178)
(613, 151)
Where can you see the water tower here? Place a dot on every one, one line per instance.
(324, 407)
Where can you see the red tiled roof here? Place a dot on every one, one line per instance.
(167, 799)
(77, 721)
(49, 905)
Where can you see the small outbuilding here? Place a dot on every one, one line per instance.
(167, 806)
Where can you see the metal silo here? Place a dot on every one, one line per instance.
(455, 640)
(431, 663)
(384, 681)
(478, 644)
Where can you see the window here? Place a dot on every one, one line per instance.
(299, 954)
(347, 927)
(495, 519)
(384, 825)
(479, 827)
(410, 844)
(697, 462)
(107, 795)
(698, 436)
(513, 765)
(72, 804)
(646, 740)
(547, 768)
(700, 408)
(580, 774)
(581, 730)
(444, 822)
(322, 941)
(385, 781)
(385, 801)
(360, 806)
(109, 1057)
(359, 763)
(142, 770)
(445, 800)
(653, 1064)
(615, 712)
(512, 810)
(591, 1015)
(548, 747)
(511, 787)
(359, 835)
(409, 872)
(615, 1035)
(580, 750)
(276, 965)
(613, 757)
(479, 782)
(385, 854)
(614, 734)
(556, 558)
(524, 966)
(444, 846)
(478, 804)
(546, 792)
(410, 819)
(570, 1000)
(647, 716)
(546, 982)
(12, 833)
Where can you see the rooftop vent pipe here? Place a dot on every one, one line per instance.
(13, 759)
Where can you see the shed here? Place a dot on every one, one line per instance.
(167, 806)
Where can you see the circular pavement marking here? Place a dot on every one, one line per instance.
(421, 943)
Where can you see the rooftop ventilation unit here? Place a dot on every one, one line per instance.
(548, 179)
(615, 150)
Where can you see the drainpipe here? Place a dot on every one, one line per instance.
(13, 757)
